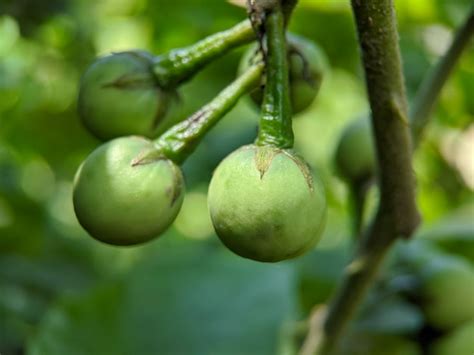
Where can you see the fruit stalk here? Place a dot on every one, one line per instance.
(179, 141)
(275, 120)
(397, 214)
(179, 65)
(150, 207)
(265, 203)
(357, 204)
(431, 86)
(288, 7)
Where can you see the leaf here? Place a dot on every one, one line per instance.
(190, 299)
(454, 233)
(377, 344)
(390, 316)
(80, 326)
(319, 273)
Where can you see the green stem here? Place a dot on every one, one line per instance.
(397, 214)
(179, 141)
(358, 192)
(275, 120)
(179, 65)
(432, 84)
(288, 6)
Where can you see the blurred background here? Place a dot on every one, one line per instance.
(62, 292)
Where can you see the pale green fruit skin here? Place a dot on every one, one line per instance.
(123, 204)
(137, 106)
(460, 341)
(302, 93)
(355, 153)
(447, 292)
(271, 217)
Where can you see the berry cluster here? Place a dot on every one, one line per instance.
(265, 202)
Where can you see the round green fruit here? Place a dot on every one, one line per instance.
(355, 154)
(307, 63)
(119, 96)
(122, 202)
(447, 291)
(460, 341)
(265, 204)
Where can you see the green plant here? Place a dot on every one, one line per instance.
(130, 189)
(63, 293)
(265, 202)
(397, 214)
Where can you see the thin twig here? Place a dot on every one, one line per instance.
(357, 197)
(431, 86)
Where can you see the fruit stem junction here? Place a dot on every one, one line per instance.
(179, 65)
(179, 141)
(275, 119)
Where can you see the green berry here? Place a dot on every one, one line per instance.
(265, 204)
(121, 202)
(119, 96)
(460, 341)
(454, 234)
(304, 80)
(447, 291)
(355, 154)
(303, 90)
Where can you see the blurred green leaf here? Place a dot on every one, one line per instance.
(390, 315)
(454, 233)
(178, 298)
(319, 273)
(370, 344)
(192, 298)
(80, 326)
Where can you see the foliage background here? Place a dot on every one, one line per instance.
(63, 293)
